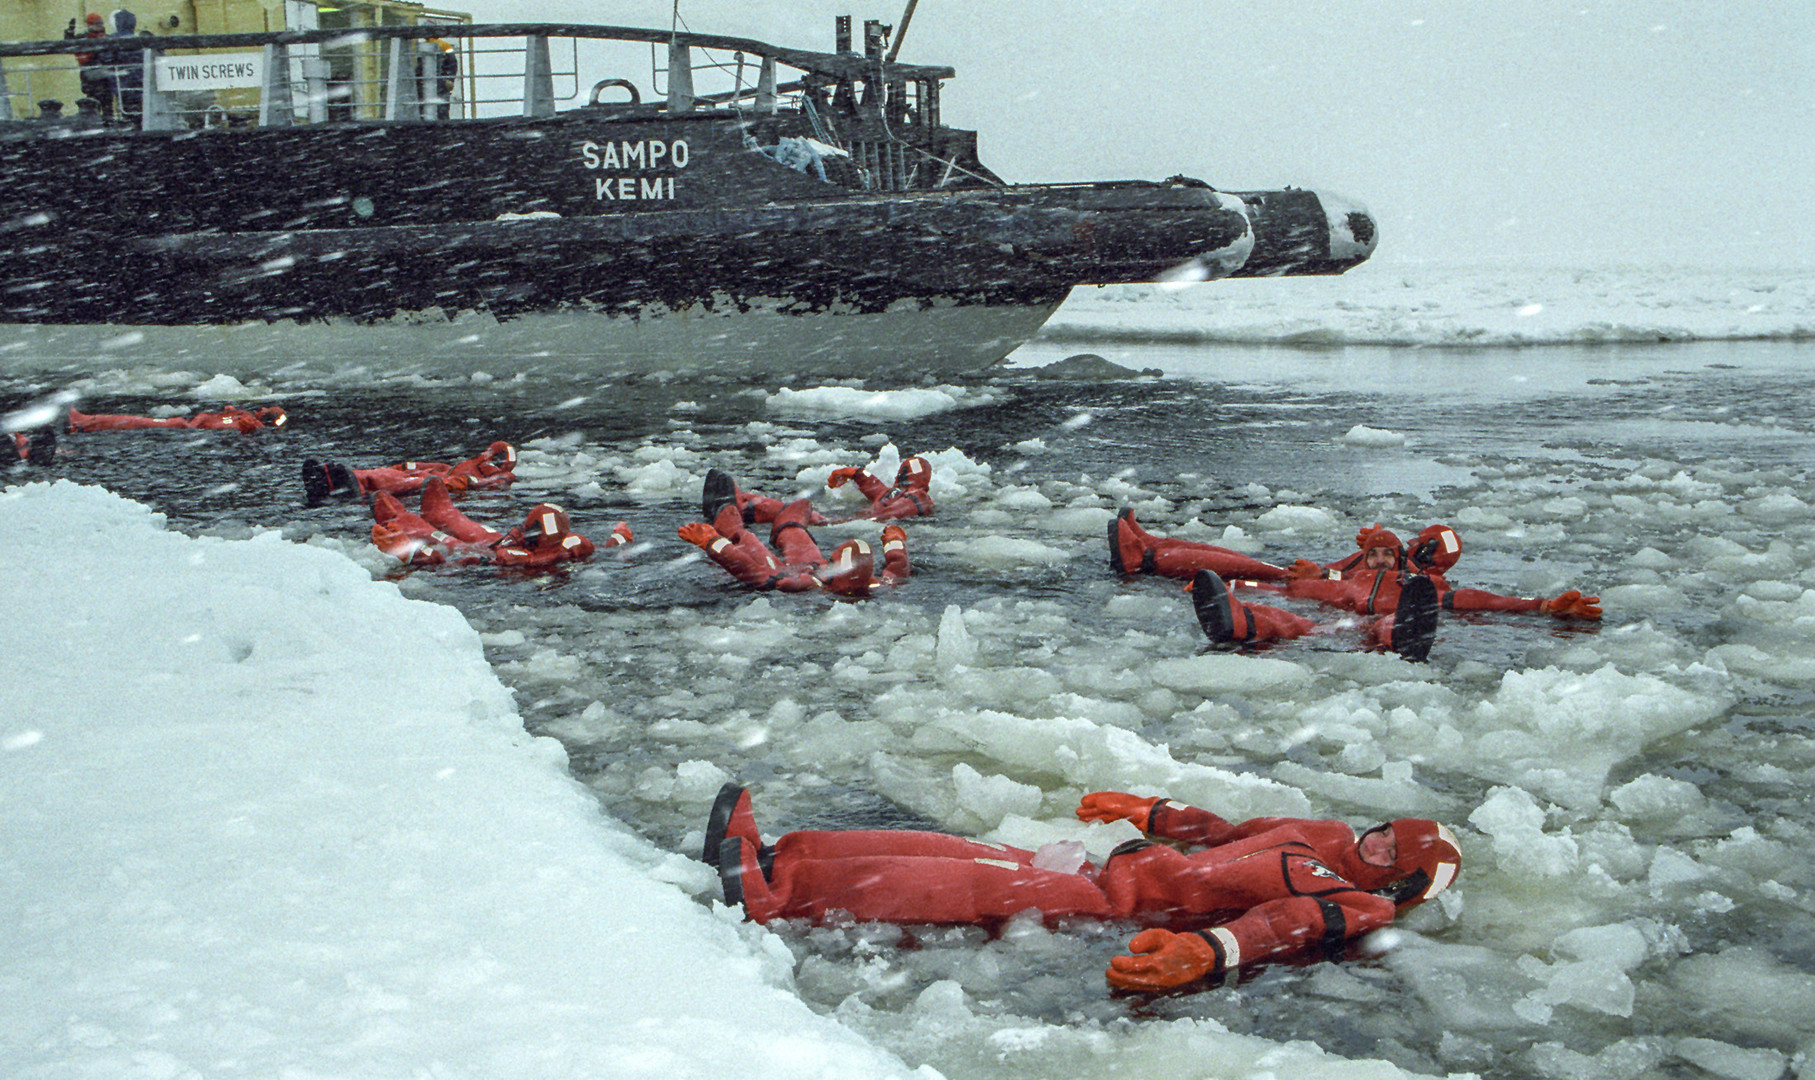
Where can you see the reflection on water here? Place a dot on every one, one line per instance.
(1453, 375)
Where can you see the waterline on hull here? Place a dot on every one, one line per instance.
(762, 337)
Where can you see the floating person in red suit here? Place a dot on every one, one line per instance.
(757, 509)
(1368, 582)
(801, 566)
(911, 495)
(1370, 589)
(36, 447)
(442, 534)
(494, 468)
(1237, 895)
(1407, 625)
(1134, 550)
(230, 418)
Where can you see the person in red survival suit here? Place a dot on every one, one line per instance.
(757, 509)
(1369, 583)
(909, 497)
(442, 534)
(802, 566)
(1134, 550)
(1365, 581)
(494, 468)
(36, 447)
(231, 418)
(1244, 893)
(1408, 627)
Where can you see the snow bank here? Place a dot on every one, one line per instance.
(267, 817)
(1455, 306)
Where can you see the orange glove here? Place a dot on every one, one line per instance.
(1572, 605)
(1115, 806)
(699, 534)
(1303, 569)
(1162, 961)
(840, 477)
(894, 532)
(1361, 538)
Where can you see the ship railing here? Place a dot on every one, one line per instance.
(22, 73)
(441, 71)
(372, 74)
(891, 164)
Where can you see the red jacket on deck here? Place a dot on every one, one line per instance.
(1246, 893)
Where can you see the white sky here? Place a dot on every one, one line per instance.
(1546, 130)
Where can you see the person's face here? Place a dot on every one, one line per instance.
(1378, 848)
(1380, 558)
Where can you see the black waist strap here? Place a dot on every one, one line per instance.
(1335, 929)
(899, 493)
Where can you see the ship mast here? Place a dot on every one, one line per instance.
(906, 17)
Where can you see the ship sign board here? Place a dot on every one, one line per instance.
(216, 71)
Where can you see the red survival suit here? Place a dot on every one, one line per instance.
(1346, 583)
(442, 534)
(757, 509)
(36, 447)
(230, 418)
(1405, 622)
(1408, 628)
(493, 468)
(1247, 893)
(1376, 592)
(910, 497)
(802, 566)
(1134, 550)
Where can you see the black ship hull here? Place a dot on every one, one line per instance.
(631, 237)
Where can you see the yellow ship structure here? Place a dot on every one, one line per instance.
(55, 78)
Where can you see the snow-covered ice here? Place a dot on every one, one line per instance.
(268, 810)
(268, 817)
